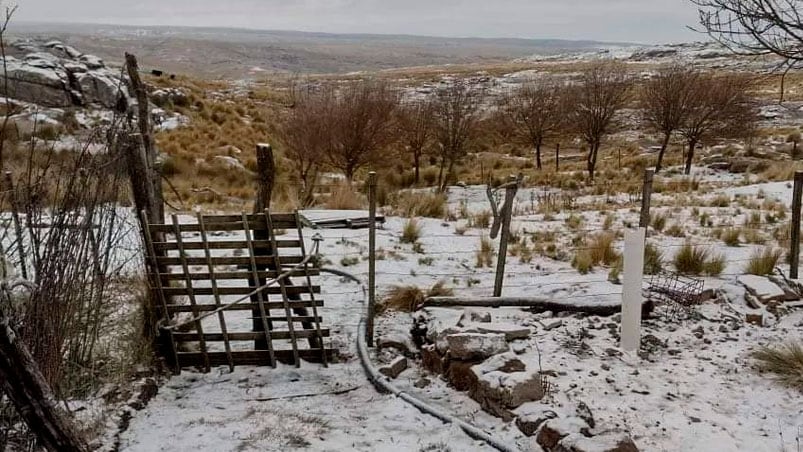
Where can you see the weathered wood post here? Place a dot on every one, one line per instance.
(557, 157)
(631, 288)
(506, 213)
(794, 248)
(30, 394)
(265, 177)
(369, 331)
(646, 194)
(15, 216)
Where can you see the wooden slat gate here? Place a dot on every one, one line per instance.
(220, 296)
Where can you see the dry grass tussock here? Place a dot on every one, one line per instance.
(420, 204)
(409, 298)
(785, 362)
(763, 261)
(344, 197)
(597, 250)
(698, 260)
(485, 253)
(411, 231)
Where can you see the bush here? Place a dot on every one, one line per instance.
(653, 259)
(344, 197)
(409, 298)
(675, 230)
(785, 362)
(481, 220)
(697, 260)
(659, 222)
(411, 231)
(485, 254)
(600, 248)
(731, 236)
(763, 261)
(583, 262)
(421, 204)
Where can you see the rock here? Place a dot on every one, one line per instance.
(531, 415)
(166, 96)
(511, 331)
(554, 430)
(606, 442)
(762, 288)
(400, 342)
(474, 316)
(475, 346)
(503, 383)
(553, 324)
(229, 162)
(432, 360)
(395, 367)
(91, 61)
(422, 382)
(99, 88)
(519, 347)
(584, 412)
(44, 86)
(755, 319)
(613, 352)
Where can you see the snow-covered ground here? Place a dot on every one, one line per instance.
(692, 388)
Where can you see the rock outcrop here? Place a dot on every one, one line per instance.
(56, 75)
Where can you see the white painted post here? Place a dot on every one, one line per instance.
(631, 288)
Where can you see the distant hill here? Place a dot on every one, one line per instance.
(238, 53)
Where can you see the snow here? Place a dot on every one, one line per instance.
(691, 386)
(761, 286)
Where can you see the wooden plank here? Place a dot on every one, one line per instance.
(251, 357)
(267, 274)
(213, 281)
(232, 223)
(244, 290)
(265, 325)
(319, 337)
(226, 244)
(175, 308)
(283, 286)
(248, 336)
(191, 294)
(229, 260)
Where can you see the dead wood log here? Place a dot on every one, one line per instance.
(25, 386)
(536, 304)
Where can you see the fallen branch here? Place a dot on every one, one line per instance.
(296, 396)
(536, 304)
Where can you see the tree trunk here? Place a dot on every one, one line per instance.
(445, 182)
(25, 386)
(690, 156)
(538, 153)
(417, 164)
(661, 152)
(592, 159)
(440, 174)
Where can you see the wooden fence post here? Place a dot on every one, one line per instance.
(266, 175)
(15, 215)
(557, 157)
(27, 390)
(506, 212)
(794, 249)
(369, 331)
(631, 288)
(646, 194)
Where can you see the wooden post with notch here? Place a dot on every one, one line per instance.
(646, 194)
(794, 249)
(265, 177)
(506, 213)
(369, 331)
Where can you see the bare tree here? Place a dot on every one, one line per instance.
(602, 92)
(537, 110)
(456, 112)
(755, 27)
(720, 106)
(361, 124)
(414, 120)
(305, 135)
(665, 101)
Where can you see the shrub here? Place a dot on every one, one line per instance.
(785, 362)
(421, 204)
(583, 262)
(485, 254)
(721, 200)
(659, 222)
(409, 298)
(697, 260)
(344, 197)
(675, 230)
(411, 231)
(653, 259)
(574, 222)
(600, 248)
(481, 220)
(731, 236)
(763, 261)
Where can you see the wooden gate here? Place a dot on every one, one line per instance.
(230, 292)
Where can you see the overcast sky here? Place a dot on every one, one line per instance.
(608, 20)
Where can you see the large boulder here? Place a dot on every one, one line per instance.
(46, 86)
(98, 87)
(606, 442)
(503, 383)
(553, 431)
(475, 346)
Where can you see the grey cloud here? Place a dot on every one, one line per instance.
(612, 20)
